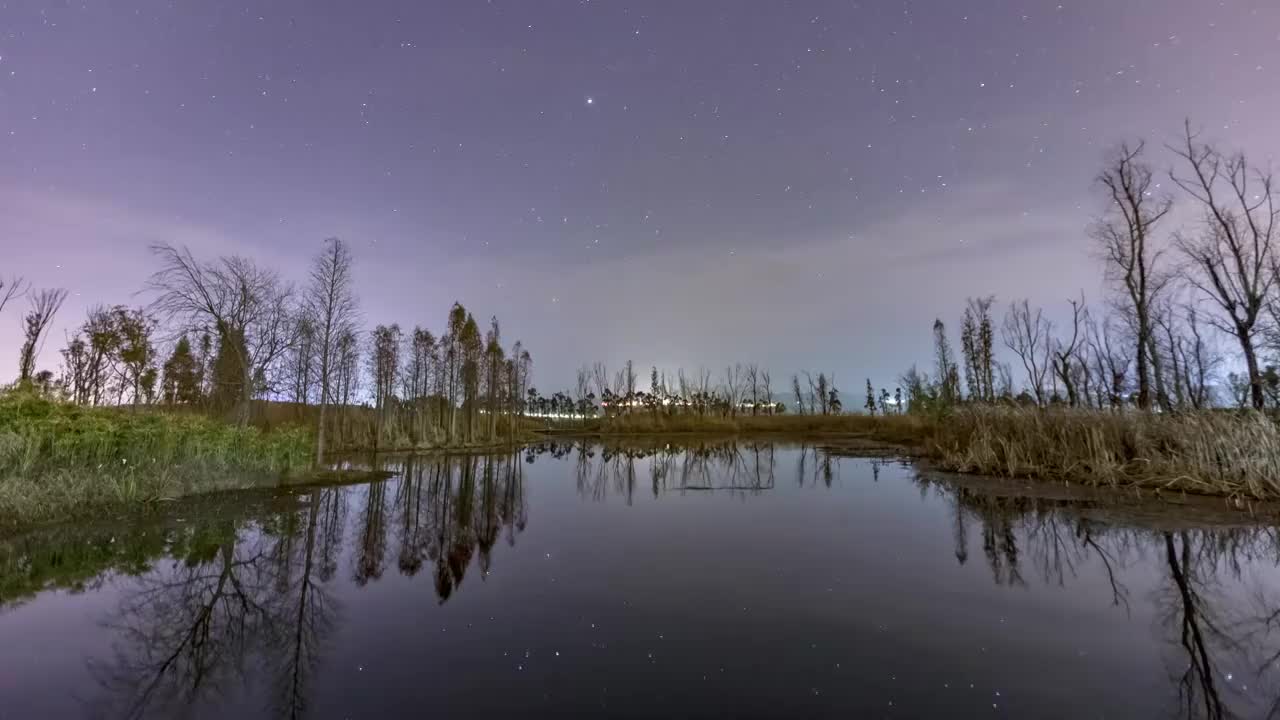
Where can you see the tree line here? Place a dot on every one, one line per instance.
(239, 333)
(1157, 341)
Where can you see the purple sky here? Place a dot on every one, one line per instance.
(800, 184)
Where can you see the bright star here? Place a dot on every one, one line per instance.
(591, 100)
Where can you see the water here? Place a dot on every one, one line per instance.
(727, 581)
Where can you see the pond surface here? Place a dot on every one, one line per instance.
(722, 581)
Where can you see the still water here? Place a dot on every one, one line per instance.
(565, 580)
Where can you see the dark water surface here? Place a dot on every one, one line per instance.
(726, 581)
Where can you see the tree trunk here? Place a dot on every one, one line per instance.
(1255, 376)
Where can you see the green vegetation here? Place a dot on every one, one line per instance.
(60, 460)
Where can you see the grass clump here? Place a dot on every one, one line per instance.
(60, 460)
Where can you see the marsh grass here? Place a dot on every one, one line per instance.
(1220, 452)
(1228, 453)
(59, 460)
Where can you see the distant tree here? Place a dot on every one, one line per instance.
(472, 346)
(799, 395)
(332, 310)
(75, 364)
(180, 384)
(945, 365)
(766, 392)
(1233, 258)
(1111, 360)
(733, 379)
(494, 359)
(1028, 334)
(384, 367)
(136, 352)
(870, 405)
(1135, 206)
(44, 305)
(1066, 352)
(976, 340)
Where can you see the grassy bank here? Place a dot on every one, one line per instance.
(1228, 453)
(59, 460)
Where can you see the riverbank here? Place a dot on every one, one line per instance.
(1235, 454)
(61, 461)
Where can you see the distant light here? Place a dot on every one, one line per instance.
(591, 100)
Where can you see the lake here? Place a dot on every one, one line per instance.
(717, 580)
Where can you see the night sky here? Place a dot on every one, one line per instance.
(803, 184)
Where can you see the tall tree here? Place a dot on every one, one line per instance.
(945, 365)
(976, 339)
(44, 305)
(330, 304)
(1124, 233)
(384, 366)
(1233, 253)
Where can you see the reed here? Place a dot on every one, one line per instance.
(1230, 453)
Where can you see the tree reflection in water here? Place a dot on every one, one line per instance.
(1219, 617)
(242, 604)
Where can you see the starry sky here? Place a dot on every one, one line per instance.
(799, 184)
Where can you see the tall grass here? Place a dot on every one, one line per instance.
(1217, 452)
(58, 459)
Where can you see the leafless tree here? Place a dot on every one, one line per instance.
(1111, 360)
(1066, 353)
(1124, 235)
(752, 384)
(10, 289)
(766, 390)
(44, 305)
(245, 305)
(1028, 335)
(733, 380)
(1232, 255)
(330, 302)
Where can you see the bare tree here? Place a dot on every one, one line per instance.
(1066, 353)
(752, 384)
(733, 380)
(1028, 335)
(1232, 255)
(245, 305)
(11, 289)
(44, 305)
(1112, 359)
(330, 302)
(1134, 208)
